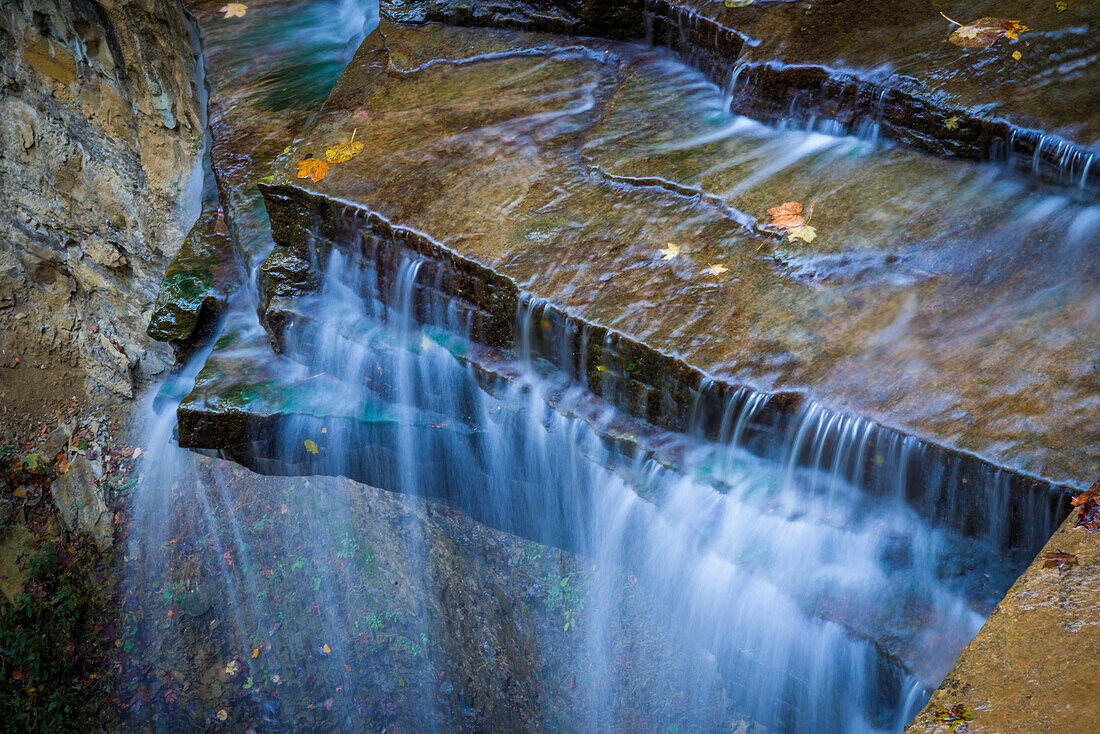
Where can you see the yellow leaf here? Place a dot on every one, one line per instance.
(1017, 55)
(806, 233)
(343, 152)
(255, 652)
(326, 649)
(313, 168)
(222, 714)
(717, 269)
(235, 10)
(670, 251)
(951, 123)
(311, 446)
(1061, 7)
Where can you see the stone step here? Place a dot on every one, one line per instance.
(533, 164)
(889, 66)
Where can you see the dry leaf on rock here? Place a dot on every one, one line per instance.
(1061, 561)
(1089, 502)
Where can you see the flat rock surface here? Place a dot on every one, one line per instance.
(1035, 663)
(904, 45)
(949, 299)
(895, 44)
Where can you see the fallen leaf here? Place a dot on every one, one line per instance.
(787, 215)
(222, 714)
(343, 152)
(951, 123)
(1089, 502)
(234, 10)
(717, 269)
(788, 219)
(1061, 7)
(313, 168)
(255, 653)
(738, 3)
(670, 251)
(806, 233)
(1017, 55)
(233, 667)
(1061, 561)
(326, 649)
(984, 32)
(1013, 29)
(311, 446)
(954, 717)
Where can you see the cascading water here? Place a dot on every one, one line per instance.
(686, 589)
(825, 609)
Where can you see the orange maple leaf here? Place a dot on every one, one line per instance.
(313, 168)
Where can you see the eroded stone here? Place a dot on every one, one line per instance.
(933, 294)
(198, 281)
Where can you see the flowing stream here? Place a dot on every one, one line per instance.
(534, 562)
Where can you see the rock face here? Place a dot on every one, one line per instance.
(82, 505)
(103, 126)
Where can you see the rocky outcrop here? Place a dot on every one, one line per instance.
(103, 127)
(1035, 663)
(82, 504)
(890, 313)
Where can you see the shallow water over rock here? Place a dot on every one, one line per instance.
(934, 291)
(620, 493)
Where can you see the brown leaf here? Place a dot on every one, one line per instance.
(1089, 502)
(787, 216)
(984, 32)
(1061, 561)
(313, 168)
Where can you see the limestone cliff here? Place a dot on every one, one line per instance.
(102, 127)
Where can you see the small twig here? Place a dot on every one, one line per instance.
(951, 21)
(353, 134)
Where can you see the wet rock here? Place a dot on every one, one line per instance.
(81, 503)
(889, 313)
(893, 69)
(197, 283)
(198, 601)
